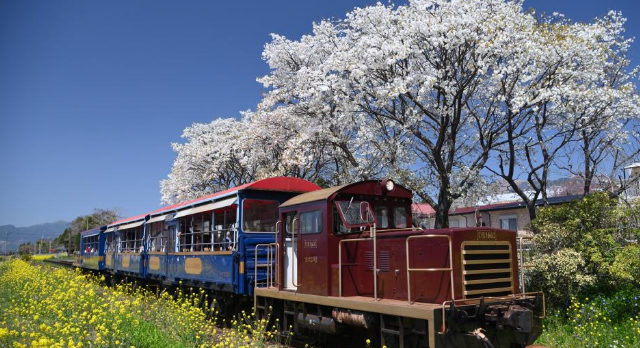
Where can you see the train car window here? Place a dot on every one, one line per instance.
(157, 237)
(90, 245)
(382, 216)
(195, 233)
(224, 229)
(259, 215)
(131, 240)
(109, 242)
(311, 222)
(400, 217)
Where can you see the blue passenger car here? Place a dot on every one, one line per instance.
(209, 242)
(92, 249)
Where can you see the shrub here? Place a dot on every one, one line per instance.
(26, 257)
(590, 236)
(559, 274)
(626, 265)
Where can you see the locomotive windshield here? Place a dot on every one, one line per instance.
(388, 214)
(351, 212)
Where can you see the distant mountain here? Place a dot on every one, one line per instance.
(18, 235)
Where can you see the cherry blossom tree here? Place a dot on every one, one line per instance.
(412, 85)
(213, 158)
(579, 91)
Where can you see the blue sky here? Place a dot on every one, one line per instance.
(93, 92)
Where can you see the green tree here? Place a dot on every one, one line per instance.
(70, 238)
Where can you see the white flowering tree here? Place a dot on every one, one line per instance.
(229, 152)
(576, 94)
(609, 111)
(409, 88)
(212, 158)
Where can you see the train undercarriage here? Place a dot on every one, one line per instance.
(505, 322)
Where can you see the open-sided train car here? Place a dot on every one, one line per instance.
(207, 242)
(92, 249)
(348, 259)
(210, 242)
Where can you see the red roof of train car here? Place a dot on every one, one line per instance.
(279, 183)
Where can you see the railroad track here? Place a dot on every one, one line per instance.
(60, 263)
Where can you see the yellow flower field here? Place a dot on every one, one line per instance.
(43, 306)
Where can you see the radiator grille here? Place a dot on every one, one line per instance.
(487, 269)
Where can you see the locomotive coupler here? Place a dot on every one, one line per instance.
(515, 316)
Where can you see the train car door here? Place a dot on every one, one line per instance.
(290, 276)
(312, 265)
(172, 242)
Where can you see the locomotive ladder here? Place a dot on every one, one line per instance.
(449, 269)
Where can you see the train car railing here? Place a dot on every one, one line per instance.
(448, 269)
(271, 265)
(523, 265)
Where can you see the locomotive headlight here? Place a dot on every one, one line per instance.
(389, 185)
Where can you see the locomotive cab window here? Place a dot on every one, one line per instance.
(288, 225)
(311, 222)
(400, 217)
(348, 216)
(382, 215)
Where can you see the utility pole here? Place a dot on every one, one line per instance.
(69, 245)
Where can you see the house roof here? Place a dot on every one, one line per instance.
(497, 206)
(422, 209)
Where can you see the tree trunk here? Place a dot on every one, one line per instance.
(588, 176)
(442, 208)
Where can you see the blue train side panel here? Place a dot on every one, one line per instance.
(209, 270)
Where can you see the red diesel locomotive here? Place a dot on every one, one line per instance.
(346, 261)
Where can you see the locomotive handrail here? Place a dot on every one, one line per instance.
(449, 269)
(294, 252)
(522, 264)
(488, 298)
(271, 256)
